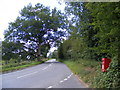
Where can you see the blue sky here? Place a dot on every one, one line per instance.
(10, 10)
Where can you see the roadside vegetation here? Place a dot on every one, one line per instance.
(84, 34)
(84, 69)
(93, 35)
(90, 72)
(13, 65)
(28, 39)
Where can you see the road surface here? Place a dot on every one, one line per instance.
(51, 74)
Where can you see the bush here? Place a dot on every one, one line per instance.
(107, 79)
(12, 61)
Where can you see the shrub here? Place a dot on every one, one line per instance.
(107, 79)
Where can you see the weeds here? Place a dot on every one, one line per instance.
(16, 66)
(90, 72)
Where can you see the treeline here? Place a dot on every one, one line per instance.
(93, 34)
(94, 31)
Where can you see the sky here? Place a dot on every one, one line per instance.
(9, 10)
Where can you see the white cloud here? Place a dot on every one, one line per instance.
(10, 10)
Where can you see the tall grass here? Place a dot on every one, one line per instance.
(90, 72)
(85, 69)
(17, 66)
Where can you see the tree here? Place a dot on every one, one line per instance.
(60, 52)
(44, 50)
(82, 28)
(12, 50)
(72, 48)
(54, 54)
(106, 20)
(38, 26)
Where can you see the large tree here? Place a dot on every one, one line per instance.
(98, 25)
(106, 19)
(37, 26)
(80, 24)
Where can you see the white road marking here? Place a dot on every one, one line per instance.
(71, 74)
(50, 86)
(47, 66)
(50, 64)
(68, 76)
(62, 80)
(44, 68)
(27, 74)
(65, 79)
(35, 72)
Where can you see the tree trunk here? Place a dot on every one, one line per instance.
(39, 53)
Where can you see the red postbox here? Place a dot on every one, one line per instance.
(105, 64)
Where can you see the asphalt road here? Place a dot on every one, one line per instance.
(51, 74)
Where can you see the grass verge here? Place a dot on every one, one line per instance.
(16, 66)
(84, 69)
(90, 72)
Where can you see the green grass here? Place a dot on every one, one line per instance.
(84, 69)
(16, 66)
(11, 66)
(90, 72)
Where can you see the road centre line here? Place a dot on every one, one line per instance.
(44, 68)
(27, 74)
(33, 72)
(47, 67)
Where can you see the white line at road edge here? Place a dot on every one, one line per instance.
(27, 74)
(50, 87)
(66, 78)
(62, 80)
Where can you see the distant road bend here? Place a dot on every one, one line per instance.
(51, 74)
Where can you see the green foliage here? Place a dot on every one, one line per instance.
(37, 26)
(44, 50)
(17, 66)
(69, 48)
(83, 69)
(12, 50)
(12, 61)
(54, 54)
(106, 21)
(60, 51)
(109, 79)
(90, 72)
(93, 34)
(81, 30)
(97, 25)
